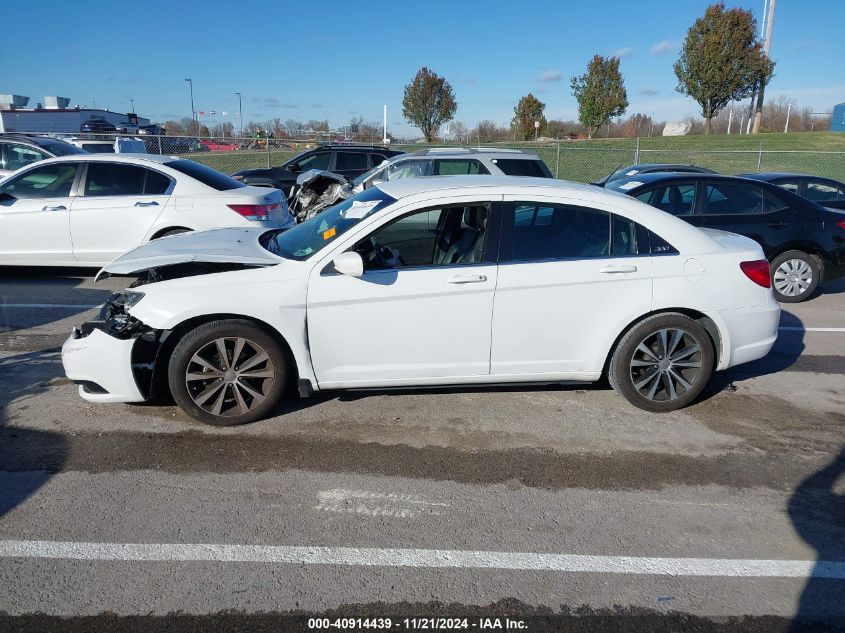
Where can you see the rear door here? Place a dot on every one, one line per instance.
(35, 219)
(747, 209)
(559, 272)
(119, 202)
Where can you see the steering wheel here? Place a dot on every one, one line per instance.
(376, 256)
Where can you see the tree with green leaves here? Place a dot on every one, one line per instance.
(600, 93)
(429, 102)
(722, 60)
(527, 111)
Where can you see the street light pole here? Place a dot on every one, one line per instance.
(193, 112)
(132, 103)
(240, 112)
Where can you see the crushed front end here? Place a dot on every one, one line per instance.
(112, 358)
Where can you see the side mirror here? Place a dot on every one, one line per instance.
(294, 167)
(349, 263)
(4, 196)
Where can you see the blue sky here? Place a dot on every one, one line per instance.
(334, 60)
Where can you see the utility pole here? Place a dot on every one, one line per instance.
(385, 140)
(758, 112)
(240, 113)
(193, 112)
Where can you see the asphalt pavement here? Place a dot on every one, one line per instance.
(563, 508)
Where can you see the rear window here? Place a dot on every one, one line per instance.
(206, 175)
(516, 167)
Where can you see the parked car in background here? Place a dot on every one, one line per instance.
(117, 145)
(97, 126)
(153, 129)
(317, 190)
(650, 168)
(404, 285)
(349, 161)
(804, 242)
(86, 209)
(825, 191)
(19, 150)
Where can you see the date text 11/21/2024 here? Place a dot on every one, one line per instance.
(417, 624)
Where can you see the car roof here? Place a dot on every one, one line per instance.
(767, 176)
(410, 186)
(658, 176)
(664, 166)
(113, 158)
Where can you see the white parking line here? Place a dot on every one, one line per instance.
(49, 305)
(426, 558)
(811, 329)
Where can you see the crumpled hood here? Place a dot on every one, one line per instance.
(223, 246)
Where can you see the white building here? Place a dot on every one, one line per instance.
(55, 116)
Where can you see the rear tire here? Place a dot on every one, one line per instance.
(795, 276)
(662, 363)
(227, 372)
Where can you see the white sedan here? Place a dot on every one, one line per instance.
(442, 281)
(86, 209)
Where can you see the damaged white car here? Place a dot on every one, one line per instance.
(447, 281)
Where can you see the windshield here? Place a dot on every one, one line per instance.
(366, 175)
(313, 235)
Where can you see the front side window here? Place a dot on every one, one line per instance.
(409, 169)
(47, 181)
(677, 199)
(544, 231)
(818, 191)
(351, 160)
(18, 156)
(114, 179)
(445, 236)
(320, 160)
(460, 167)
(733, 199)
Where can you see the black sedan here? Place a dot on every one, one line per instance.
(804, 242)
(826, 191)
(650, 168)
(349, 161)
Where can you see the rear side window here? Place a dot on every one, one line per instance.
(114, 179)
(156, 184)
(460, 167)
(624, 236)
(789, 185)
(733, 199)
(206, 175)
(351, 160)
(517, 167)
(677, 198)
(559, 232)
(818, 191)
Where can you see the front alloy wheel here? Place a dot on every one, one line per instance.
(227, 372)
(662, 363)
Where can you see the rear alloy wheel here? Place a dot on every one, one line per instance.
(795, 276)
(227, 373)
(662, 363)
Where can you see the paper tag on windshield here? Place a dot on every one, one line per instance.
(629, 185)
(359, 209)
(631, 173)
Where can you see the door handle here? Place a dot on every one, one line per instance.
(619, 268)
(59, 207)
(466, 279)
(776, 225)
(146, 204)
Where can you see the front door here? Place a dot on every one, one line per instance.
(118, 205)
(570, 277)
(422, 310)
(35, 216)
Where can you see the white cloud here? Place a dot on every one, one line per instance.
(550, 75)
(663, 47)
(622, 53)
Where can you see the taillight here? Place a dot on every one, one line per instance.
(758, 272)
(260, 212)
(841, 224)
(236, 177)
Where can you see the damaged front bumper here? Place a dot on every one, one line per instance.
(112, 359)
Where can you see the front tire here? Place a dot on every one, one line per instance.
(227, 372)
(662, 363)
(795, 276)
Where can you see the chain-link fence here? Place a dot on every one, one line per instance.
(583, 161)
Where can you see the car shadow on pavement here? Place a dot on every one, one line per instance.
(817, 511)
(28, 457)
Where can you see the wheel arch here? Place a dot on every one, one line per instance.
(167, 229)
(699, 317)
(168, 342)
(804, 246)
